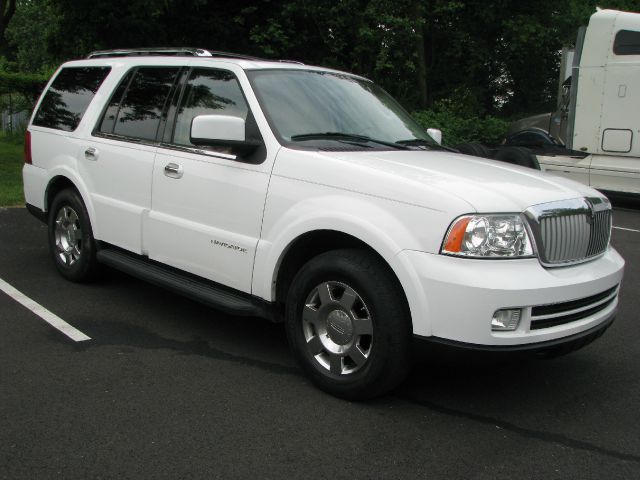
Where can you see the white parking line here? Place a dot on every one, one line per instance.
(626, 229)
(52, 319)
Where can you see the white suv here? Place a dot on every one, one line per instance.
(309, 195)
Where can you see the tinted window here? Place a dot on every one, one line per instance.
(208, 92)
(109, 118)
(141, 108)
(69, 96)
(529, 138)
(301, 103)
(627, 42)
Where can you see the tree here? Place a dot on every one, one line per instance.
(7, 9)
(31, 34)
(481, 57)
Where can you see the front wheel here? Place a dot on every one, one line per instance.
(348, 324)
(71, 241)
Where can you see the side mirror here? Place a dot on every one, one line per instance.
(436, 134)
(222, 131)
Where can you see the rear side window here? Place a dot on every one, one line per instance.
(627, 42)
(69, 96)
(137, 111)
(109, 117)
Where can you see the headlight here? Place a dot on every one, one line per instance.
(484, 236)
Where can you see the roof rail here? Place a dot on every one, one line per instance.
(167, 51)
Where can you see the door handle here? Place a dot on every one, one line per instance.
(91, 154)
(173, 170)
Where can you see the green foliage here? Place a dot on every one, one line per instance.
(10, 171)
(33, 31)
(460, 120)
(27, 84)
(503, 53)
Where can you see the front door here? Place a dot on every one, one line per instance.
(207, 204)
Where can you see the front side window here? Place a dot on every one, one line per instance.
(69, 96)
(627, 42)
(208, 92)
(137, 113)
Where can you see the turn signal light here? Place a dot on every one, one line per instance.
(456, 235)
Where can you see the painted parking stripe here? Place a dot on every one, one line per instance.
(52, 319)
(626, 229)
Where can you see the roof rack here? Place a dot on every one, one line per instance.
(167, 51)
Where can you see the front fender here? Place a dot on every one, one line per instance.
(387, 227)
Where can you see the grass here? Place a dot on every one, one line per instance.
(11, 162)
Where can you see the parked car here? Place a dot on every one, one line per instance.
(309, 196)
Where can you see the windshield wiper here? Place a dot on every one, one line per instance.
(347, 136)
(427, 143)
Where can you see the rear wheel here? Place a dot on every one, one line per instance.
(348, 324)
(71, 241)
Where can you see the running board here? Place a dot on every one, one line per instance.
(201, 290)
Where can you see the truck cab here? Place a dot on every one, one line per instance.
(596, 124)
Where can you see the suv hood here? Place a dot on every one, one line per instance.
(432, 179)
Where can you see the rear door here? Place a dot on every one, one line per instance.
(117, 161)
(207, 203)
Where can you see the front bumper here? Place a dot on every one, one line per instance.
(458, 297)
(572, 342)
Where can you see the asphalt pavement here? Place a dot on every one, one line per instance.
(168, 388)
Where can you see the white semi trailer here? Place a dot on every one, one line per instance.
(594, 136)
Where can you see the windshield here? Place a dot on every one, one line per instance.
(306, 105)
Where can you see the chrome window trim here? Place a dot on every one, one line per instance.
(199, 151)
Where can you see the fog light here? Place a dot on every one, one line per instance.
(505, 320)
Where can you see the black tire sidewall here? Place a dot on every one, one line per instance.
(517, 156)
(85, 267)
(474, 149)
(388, 360)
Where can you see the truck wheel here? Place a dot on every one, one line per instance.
(348, 324)
(475, 149)
(517, 156)
(71, 241)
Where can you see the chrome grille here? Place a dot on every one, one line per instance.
(600, 233)
(570, 231)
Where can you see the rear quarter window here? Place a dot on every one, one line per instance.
(68, 97)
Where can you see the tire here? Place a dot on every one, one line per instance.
(348, 324)
(517, 156)
(475, 149)
(71, 241)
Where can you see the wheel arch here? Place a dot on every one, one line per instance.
(311, 243)
(63, 179)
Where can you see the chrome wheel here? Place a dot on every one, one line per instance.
(68, 236)
(337, 328)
